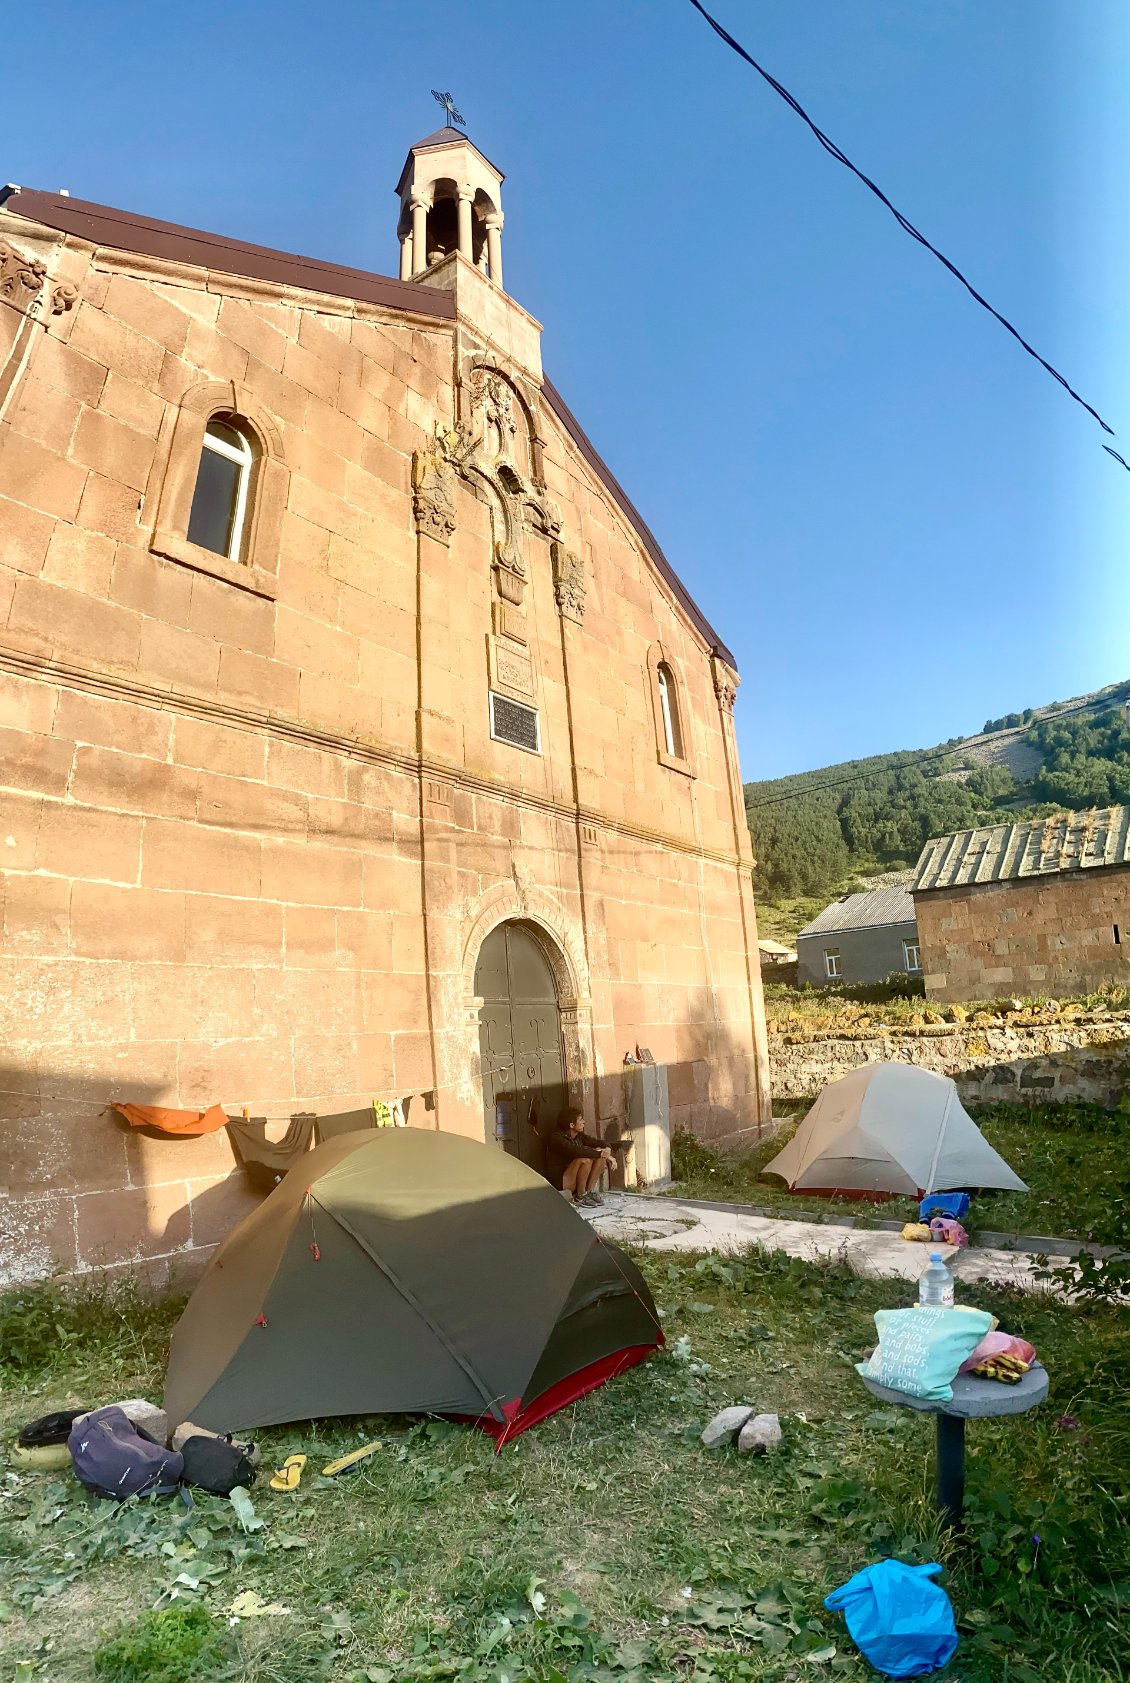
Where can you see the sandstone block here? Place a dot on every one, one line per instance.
(44, 413)
(38, 477)
(107, 341)
(25, 534)
(112, 508)
(67, 370)
(219, 930)
(246, 324)
(221, 611)
(132, 783)
(27, 704)
(140, 306)
(77, 841)
(310, 372)
(217, 1205)
(238, 803)
(311, 876)
(113, 449)
(40, 764)
(218, 748)
(36, 915)
(126, 923)
(412, 1061)
(36, 1239)
(159, 589)
(310, 770)
(169, 655)
(311, 937)
(205, 861)
(79, 560)
(267, 685)
(214, 353)
(133, 1224)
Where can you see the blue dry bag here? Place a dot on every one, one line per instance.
(955, 1204)
(898, 1618)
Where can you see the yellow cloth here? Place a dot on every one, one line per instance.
(916, 1230)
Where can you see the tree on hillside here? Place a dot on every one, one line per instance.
(1086, 759)
(798, 845)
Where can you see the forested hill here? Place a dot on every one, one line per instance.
(814, 831)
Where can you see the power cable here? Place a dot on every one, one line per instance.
(919, 759)
(904, 223)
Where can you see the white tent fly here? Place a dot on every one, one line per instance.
(891, 1128)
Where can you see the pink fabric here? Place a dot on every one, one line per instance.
(999, 1344)
(948, 1231)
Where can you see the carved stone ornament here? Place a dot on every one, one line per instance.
(544, 514)
(497, 400)
(433, 495)
(63, 297)
(726, 683)
(20, 277)
(568, 582)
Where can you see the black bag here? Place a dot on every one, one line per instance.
(216, 1464)
(49, 1429)
(115, 1458)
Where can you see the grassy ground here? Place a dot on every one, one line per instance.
(604, 1544)
(1073, 1158)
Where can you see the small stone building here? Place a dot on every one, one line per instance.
(357, 740)
(1029, 908)
(861, 937)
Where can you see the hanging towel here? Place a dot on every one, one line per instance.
(178, 1122)
(267, 1161)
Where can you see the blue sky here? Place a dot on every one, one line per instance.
(899, 523)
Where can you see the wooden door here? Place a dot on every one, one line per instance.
(523, 1059)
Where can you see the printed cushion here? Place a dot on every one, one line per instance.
(920, 1350)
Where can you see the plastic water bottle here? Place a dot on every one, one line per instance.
(935, 1287)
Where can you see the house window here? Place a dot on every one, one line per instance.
(223, 482)
(832, 967)
(911, 957)
(669, 711)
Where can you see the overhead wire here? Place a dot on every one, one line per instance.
(922, 759)
(904, 222)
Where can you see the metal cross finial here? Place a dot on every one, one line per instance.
(448, 104)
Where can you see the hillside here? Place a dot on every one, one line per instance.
(818, 833)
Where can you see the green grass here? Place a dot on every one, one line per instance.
(1072, 1156)
(568, 1556)
(858, 1008)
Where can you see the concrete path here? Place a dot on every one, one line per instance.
(666, 1224)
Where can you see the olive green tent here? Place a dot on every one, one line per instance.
(404, 1271)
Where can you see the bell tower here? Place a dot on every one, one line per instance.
(450, 202)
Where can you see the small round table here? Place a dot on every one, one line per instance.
(973, 1399)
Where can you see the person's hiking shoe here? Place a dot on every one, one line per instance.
(592, 1201)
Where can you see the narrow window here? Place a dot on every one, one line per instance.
(1117, 937)
(669, 708)
(223, 481)
(911, 957)
(832, 962)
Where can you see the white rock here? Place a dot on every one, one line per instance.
(761, 1432)
(147, 1415)
(725, 1427)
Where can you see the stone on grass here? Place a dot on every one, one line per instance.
(760, 1433)
(725, 1427)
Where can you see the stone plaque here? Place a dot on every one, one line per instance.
(511, 668)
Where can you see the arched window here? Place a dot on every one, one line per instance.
(669, 711)
(219, 488)
(669, 707)
(220, 500)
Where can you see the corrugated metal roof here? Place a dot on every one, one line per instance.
(1067, 841)
(872, 910)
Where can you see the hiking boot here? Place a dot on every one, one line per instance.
(592, 1201)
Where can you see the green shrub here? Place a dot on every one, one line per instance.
(179, 1645)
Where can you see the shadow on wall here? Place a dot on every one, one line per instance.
(81, 1190)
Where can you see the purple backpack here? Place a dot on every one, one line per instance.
(116, 1459)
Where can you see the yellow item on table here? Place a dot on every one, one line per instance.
(916, 1230)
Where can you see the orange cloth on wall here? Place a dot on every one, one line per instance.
(173, 1121)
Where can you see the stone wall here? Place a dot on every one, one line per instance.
(254, 824)
(1085, 1059)
(1045, 935)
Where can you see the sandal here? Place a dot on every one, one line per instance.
(347, 1463)
(289, 1474)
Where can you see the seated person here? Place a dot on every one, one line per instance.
(574, 1160)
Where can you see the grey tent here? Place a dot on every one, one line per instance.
(397, 1270)
(890, 1128)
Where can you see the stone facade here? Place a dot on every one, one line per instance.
(255, 825)
(1085, 1059)
(1041, 935)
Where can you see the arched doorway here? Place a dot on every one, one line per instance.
(520, 1044)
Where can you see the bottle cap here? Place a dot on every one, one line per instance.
(935, 1256)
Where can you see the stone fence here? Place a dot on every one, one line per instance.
(1086, 1059)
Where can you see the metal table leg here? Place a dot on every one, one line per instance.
(951, 1466)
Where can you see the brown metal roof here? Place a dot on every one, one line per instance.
(123, 231)
(1067, 841)
(573, 428)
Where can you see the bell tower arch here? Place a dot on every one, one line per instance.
(450, 200)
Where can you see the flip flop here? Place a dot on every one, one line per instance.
(347, 1463)
(288, 1475)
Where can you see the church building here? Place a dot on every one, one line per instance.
(357, 740)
